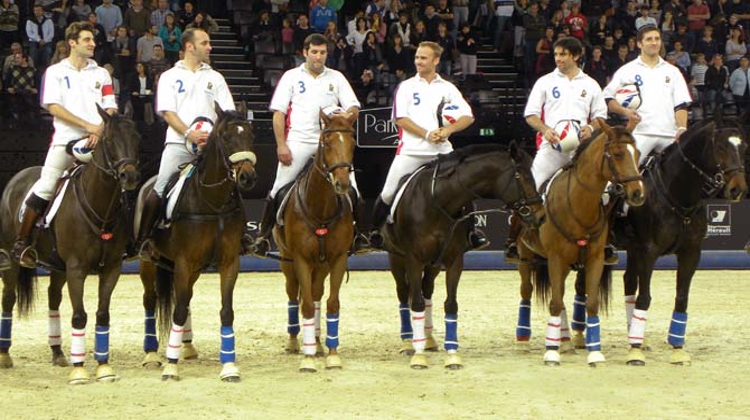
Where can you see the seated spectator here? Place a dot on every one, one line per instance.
(145, 45)
(110, 17)
(707, 44)
(171, 37)
(596, 67)
(739, 84)
(681, 34)
(61, 52)
(671, 58)
(187, 15)
(80, 10)
(682, 58)
(320, 15)
(633, 50)
(137, 19)
(10, 60)
(158, 64)
(20, 84)
(600, 30)
(418, 35)
(9, 19)
(379, 28)
(332, 35)
(698, 78)
(735, 49)
(717, 82)
(204, 21)
(577, 22)
(159, 15)
(402, 28)
(667, 26)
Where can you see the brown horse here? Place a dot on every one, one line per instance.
(576, 232)
(87, 235)
(205, 230)
(315, 238)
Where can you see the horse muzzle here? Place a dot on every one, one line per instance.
(129, 176)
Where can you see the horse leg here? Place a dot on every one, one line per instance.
(76, 279)
(687, 263)
(6, 318)
(107, 282)
(292, 308)
(150, 339)
(303, 272)
(452, 276)
(318, 289)
(523, 327)
(229, 271)
(638, 280)
(428, 287)
(182, 285)
(189, 352)
(402, 292)
(558, 271)
(578, 325)
(54, 334)
(413, 277)
(594, 268)
(338, 268)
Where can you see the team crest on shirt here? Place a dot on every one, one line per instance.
(584, 93)
(210, 86)
(667, 80)
(330, 87)
(97, 85)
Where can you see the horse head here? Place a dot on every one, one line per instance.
(233, 135)
(117, 151)
(528, 203)
(336, 150)
(727, 162)
(621, 169)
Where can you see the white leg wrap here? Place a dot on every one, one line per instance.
(637, 327)
(417, 324)
(78, 345)
(54, 331)
(174, 348)
(187, 329)
(317, 320)
(308, 336)
(554, 327)
(629, 306)
(428, 318)
(564, 326)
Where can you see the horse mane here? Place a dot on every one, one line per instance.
(449, 160)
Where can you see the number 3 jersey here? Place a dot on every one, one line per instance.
(191, 94)
(79, 92)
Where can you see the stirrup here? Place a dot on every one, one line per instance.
(260, 248)
(477, 241)
(146, 251)
(511, 254)
(361, 245)
(610, 255)
(376, 240)
(28, 257)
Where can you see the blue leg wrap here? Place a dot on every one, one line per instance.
(523, 329)
(150, 340)
(405, 314)
(332, 331)
(593, 340)
(579, 313)
(101, 344)
(6, 325)
(292, 308)
(677, 329)
(451, 332)
(227, 345)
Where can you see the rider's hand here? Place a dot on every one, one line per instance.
(198, 137)
(551, 136)
(94, 132)
(284, 155)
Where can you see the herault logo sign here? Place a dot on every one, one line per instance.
(719, 220)
(376, 129)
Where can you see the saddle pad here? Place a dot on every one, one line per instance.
(174, 193)
(288, 193)
(400, 193)
(56, 201)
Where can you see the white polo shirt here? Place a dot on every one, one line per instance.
(191, 94)
(662, 89)
(79, 92)
(418, 100)
(300, 96)
(554, 98)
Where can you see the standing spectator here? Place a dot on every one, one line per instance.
(378, 27)
(22, 90)
(717, 82)
(9, 18)
(545, 60)
(187, 15)
(625, 19)
(678, 11)
(159, 15)
(124, 50)
(596, 67)
(519, 32)
(467, 44)
(445, 41)
(80, 10)
(332, 35)
(600, 30)
(357, 38)
(460, 15)
(735, 49)
(40, 32)
(431, 21)
(534, 24)
(320, 15)
(145, 45)
(301, 32)
(667, 25)
(110, 17)
(503, 11)
(171, 36)
(101, 52)
(397, 57)
(204, 22)
(137, 19)
(698, 79)
(577, 22)
(707, 44)
(739, 83)
(418, 35)
(376, 6)
(445, 12)
(402, 28)
(287, 36)
(671, 59)
(141, 87)
(698, 15)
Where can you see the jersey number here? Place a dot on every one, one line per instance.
(417, 101)
(67, 81)
(180, 89)
(638, 80)
(555, 92)
(302, 87)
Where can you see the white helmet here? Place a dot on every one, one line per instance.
(79, 150)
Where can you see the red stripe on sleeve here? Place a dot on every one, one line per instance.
(108, 90)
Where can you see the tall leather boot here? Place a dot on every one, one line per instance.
(262, 244)
(477, 239)
(380, 212)
(23, 251)
(511, 247)
(360, 244)
(152, 207)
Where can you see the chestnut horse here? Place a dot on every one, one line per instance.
(205, 230)
(576, 232)
(315, 238)
(88, 234)
(429, 232)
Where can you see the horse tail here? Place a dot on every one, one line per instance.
(542, 285)
(605, 286)
(164, 300)
(26, 290)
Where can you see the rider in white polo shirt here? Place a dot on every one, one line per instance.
(663, 114)
(186, 92)
(415, 111)
(296, 104)
(71, 91)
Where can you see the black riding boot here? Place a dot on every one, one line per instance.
(262, 244)
(361, 244)
(152, 207)
(23, 251)
(511, 247)
(477, 239)
(380, 212)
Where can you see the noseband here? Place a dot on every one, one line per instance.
(231, 163)
(325, 170)
(712, 185)
(112, 168)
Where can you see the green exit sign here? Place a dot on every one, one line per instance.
(486, 131)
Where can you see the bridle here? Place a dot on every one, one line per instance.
(231, 162)
(325, 170)
(617, 179)
(712, 184)
(111, 169)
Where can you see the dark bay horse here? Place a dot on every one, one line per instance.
(315, 238)
(706, 163)
(205, 230)
(430, 232)
(88, 234)
(575, 234)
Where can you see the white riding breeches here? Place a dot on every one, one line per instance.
(174, 156)
(401, 166)
(546, 162)
(648, 144)
(57, 161)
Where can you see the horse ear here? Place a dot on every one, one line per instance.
(631, 125)
(606, 128)
(242, 108)
(351, 118)
(105, 116)
(323, 116)
(514, 150)
(219, 111)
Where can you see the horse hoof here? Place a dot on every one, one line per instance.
(78, 376)
(680, 357)
(319, 350)
(431, 344)
(578, 340)
(59, 360)
(308, 365)
(333, 361)
(567, 347)
(595, 357)
(6, 362)
(418, 361)
(454, 362)
(170, 372)
(552, 358)
(189, 352)
(151, 360)
(636, 357)
(230, 373)
(292, 346)
(406, 348)
(104, 373)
